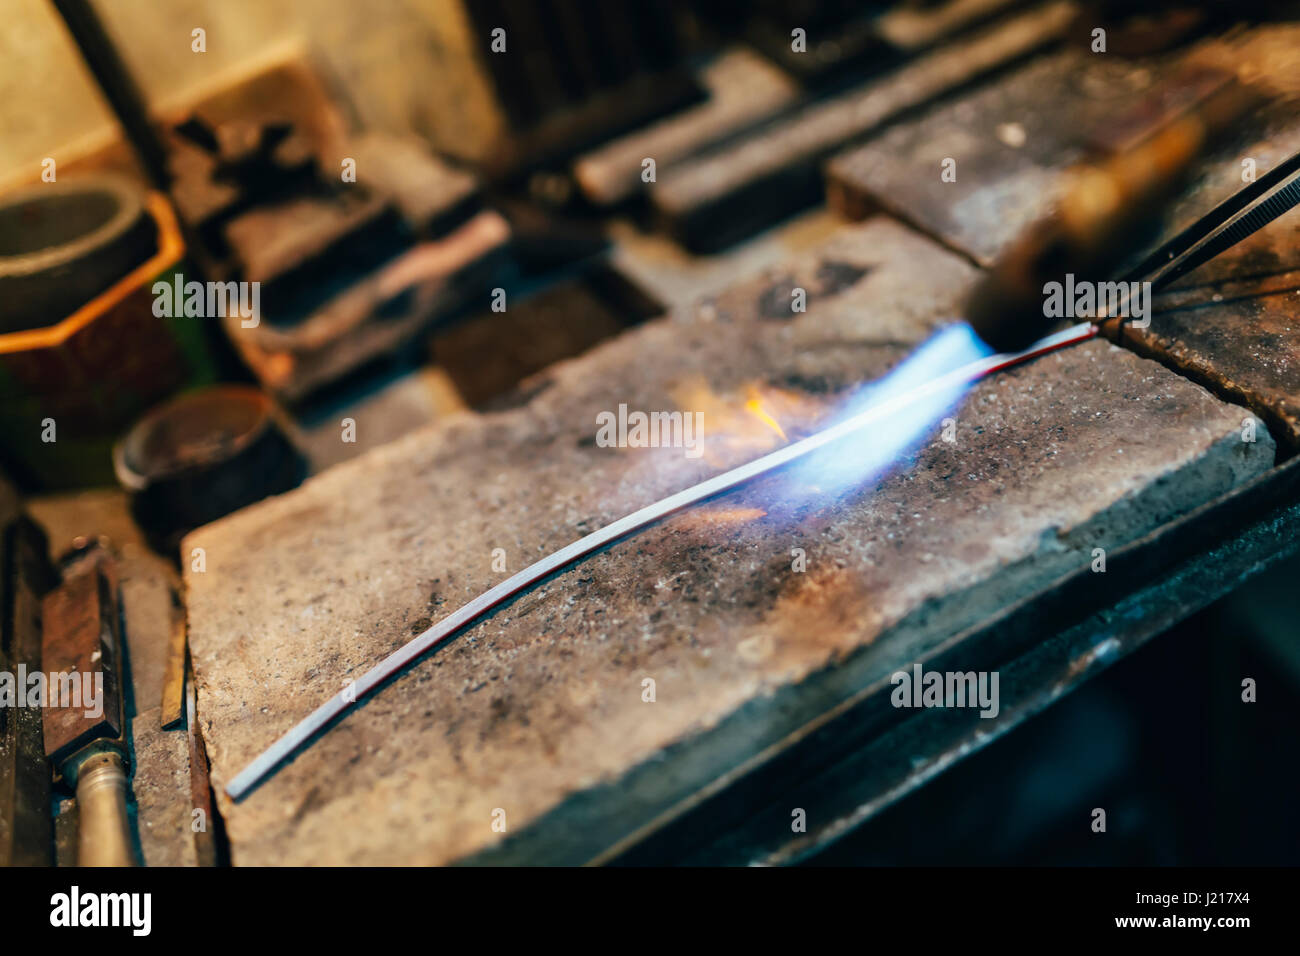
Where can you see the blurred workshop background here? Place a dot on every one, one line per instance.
(387, 183)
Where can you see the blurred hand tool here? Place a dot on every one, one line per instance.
(84, 732)
(1112, 208)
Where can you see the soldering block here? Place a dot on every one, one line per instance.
(592, 703)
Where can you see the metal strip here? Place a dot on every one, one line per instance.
(319, 719)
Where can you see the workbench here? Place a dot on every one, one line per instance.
(771, 685)
(684, 694)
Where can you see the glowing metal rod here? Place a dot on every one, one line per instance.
(315, 722)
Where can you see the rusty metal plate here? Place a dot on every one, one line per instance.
(26, 830)
(82, 641)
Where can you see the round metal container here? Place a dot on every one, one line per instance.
(61, 244)
(203, 455)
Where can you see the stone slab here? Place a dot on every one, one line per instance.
(1011, 140)
(541, 706)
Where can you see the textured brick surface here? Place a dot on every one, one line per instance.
(543, 701)
(743, 89)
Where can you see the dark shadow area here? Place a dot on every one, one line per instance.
(1187, 772)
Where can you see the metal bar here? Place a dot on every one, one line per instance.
(1182, 243)
(173, 692)
(117, 85)
(1243, 226)
(320, 718)
(26, 832)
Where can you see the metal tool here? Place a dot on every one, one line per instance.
(84, 739)
(1238, 217)
(320, 718)
(117, 85)
(1232, 221)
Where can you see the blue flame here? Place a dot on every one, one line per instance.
(860, 458)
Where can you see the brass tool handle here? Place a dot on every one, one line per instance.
(103, 833)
